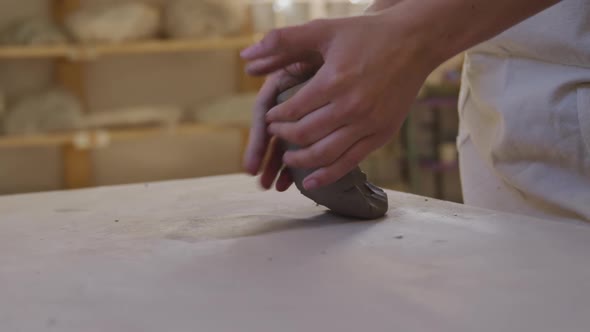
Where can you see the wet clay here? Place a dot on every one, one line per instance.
(351, 196)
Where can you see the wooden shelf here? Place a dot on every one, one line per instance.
(70, 67)
(89, 139)
(92, 52)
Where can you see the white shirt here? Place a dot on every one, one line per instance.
(525, 105)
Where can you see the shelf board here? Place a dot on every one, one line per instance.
(89, 139)
(91, 52)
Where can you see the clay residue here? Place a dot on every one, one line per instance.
(236, 226)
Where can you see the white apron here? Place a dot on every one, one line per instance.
(524, 138)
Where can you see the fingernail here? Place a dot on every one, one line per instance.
(286, 159)
(311, 184)
(249, 169)
(263, 186)
(272, 129)
(248, 52)
(251, 165)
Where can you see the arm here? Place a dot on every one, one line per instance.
(453, 26)
(369, 70)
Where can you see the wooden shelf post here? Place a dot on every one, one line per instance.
(77, 162)
(246, 83)
(77, 167)
(69, 73)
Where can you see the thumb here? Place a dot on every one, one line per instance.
(297, 41)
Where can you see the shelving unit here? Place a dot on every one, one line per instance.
(93, 52)
(90, 139)
(70, 61)
(70, 67)
(435, 100)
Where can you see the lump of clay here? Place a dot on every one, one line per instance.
(114, 23)
(32, 31)
(203, 18)
(51, 110)
(351, 196)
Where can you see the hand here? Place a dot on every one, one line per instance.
(371, 68)
(260, 143)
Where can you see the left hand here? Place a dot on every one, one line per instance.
(260, 143)
(372, 68)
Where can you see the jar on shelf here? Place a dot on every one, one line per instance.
(263, 16)
(343, 8)
(290, 12)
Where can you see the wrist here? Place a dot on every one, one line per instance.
(442, 29)
(418, 39)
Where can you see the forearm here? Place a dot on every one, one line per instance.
(445, 28)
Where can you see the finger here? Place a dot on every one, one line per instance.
(346, 163)
(285, 180)
(259, 138)
(312, 96)
(303, 70)
(327, 150)
(299, 39)
(266, 65)
(262, 66)
(273, 164)
(311, 128)
(294, 74)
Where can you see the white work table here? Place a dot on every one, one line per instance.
(217, 254)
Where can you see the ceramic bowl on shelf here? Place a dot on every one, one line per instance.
(263, 16)
(294, 14)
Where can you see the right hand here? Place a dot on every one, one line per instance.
(261, 143)
(371, 69)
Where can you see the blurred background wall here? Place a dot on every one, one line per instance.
(193, 80)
